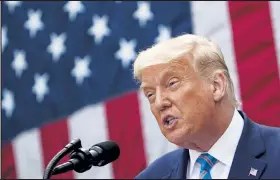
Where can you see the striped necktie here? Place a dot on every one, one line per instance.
(207, 162)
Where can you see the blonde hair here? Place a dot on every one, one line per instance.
(206, 56)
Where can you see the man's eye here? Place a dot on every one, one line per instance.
(149, 94)
(171, 83)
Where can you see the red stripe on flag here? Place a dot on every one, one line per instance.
(124, 126)
(256, 60)
(8, 169)
(54, 137)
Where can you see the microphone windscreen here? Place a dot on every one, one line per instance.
(110, 151)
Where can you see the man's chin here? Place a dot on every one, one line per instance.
(179, 140)
(183, 140)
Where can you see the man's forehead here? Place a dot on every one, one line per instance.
(163, 68)
(154, 73)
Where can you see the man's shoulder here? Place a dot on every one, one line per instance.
(270, 135)
(162, 166)
(271, 139)
(269, 132)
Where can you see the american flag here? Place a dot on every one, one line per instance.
(66, 73)
(253, 172)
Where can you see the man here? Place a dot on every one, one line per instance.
(191, 96)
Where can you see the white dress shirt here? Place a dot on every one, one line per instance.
(223, 150)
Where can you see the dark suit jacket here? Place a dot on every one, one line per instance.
(258, 148)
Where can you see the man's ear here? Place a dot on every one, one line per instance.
(219, 85)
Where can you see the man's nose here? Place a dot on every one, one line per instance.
(162, 102)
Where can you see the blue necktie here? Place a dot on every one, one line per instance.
(207, 162)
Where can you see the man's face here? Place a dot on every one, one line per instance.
(181, 101)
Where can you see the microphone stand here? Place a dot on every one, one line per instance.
(73, 145)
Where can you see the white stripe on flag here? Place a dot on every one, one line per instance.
(28, 155)
(89, 125)
(155, 143)
(275, 17)
(218, 29)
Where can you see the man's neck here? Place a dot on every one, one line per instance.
(222, 119)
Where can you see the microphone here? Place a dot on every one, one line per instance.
(82, 160)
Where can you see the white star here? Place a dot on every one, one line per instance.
(81, 70)
(12, 5)
(40, 88)
(4, 37)
(126, 53)
(73, 8)
(164, 33)
(34, 23)
(19, 64)
(57, 47)
(8, 102)
(143, 13)
(99, 28)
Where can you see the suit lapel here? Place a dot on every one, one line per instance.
(247, 162)
(180, 168)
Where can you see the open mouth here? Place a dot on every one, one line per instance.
(169, 121)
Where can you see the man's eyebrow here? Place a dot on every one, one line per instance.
(163, 75)
(168, 72)
(142, 86)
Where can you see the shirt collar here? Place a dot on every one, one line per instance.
(224, 149)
